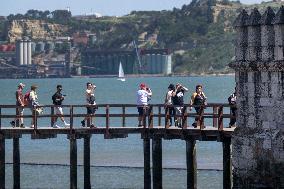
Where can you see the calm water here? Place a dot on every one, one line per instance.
(127, 153)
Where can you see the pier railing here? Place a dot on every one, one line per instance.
(158, 112)
(155, 127)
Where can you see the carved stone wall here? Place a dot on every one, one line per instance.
(258, 141)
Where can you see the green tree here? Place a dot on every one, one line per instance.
(61, 16)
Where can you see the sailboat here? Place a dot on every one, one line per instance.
(121, 73)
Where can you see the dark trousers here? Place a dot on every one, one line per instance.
(197, 109)
(233, 119)
(171, 112)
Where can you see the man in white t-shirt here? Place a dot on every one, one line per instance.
(90, 100)
(143, 96)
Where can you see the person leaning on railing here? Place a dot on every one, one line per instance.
(143, 96)
(232, 101)
(178, 102)
(197, 99)
(91, 102)
(33, 103)
(169, 102)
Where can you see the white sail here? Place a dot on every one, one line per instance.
(121, 73)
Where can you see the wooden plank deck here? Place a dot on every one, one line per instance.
(206, 134)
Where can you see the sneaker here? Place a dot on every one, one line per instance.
(56, 126)
(140, 125)
(176, 123)
(83, 123)
(22, 125)
(67, 124)
(32, 126)
(194, 125)
(92, 126)
(12, 123)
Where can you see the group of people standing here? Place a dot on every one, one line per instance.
(174, 103)
(30, 100)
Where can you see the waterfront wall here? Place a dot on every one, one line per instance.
(258, 141)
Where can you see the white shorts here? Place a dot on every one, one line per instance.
(178, 110)
(20, 110)
(58, 110)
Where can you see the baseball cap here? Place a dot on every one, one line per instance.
(142, 85)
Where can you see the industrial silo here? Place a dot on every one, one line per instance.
(39, 47)
(33, 46)
(25, 50)
(58, 45)
(49, 46)
(29, 52)
(169, 64)
(19, 52)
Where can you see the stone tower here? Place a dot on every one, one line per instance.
(258, 141)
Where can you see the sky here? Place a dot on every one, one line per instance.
(104, 7)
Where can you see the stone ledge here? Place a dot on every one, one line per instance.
(274, 66)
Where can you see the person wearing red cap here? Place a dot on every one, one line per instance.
(143, 96)
(20, 103)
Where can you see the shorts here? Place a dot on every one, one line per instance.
(178, 110)
(142, 110)
(58, 110)
(20, 110)
(91, 110)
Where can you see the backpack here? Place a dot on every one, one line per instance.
(54, 99)
(27, 98)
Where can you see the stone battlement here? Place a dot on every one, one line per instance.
(259, 39)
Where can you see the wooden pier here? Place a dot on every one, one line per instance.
(149, 132)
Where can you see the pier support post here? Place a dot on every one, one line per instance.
(87, 177)
(2, 161)
(73, 162)
(147, 164)
(227, 164)
(191, 164)
(157, 162)
(16, 162)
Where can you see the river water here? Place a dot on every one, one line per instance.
(116, 163)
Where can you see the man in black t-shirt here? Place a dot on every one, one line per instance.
(57, 100)
(178, 102)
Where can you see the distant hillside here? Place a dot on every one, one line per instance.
(199, 34)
